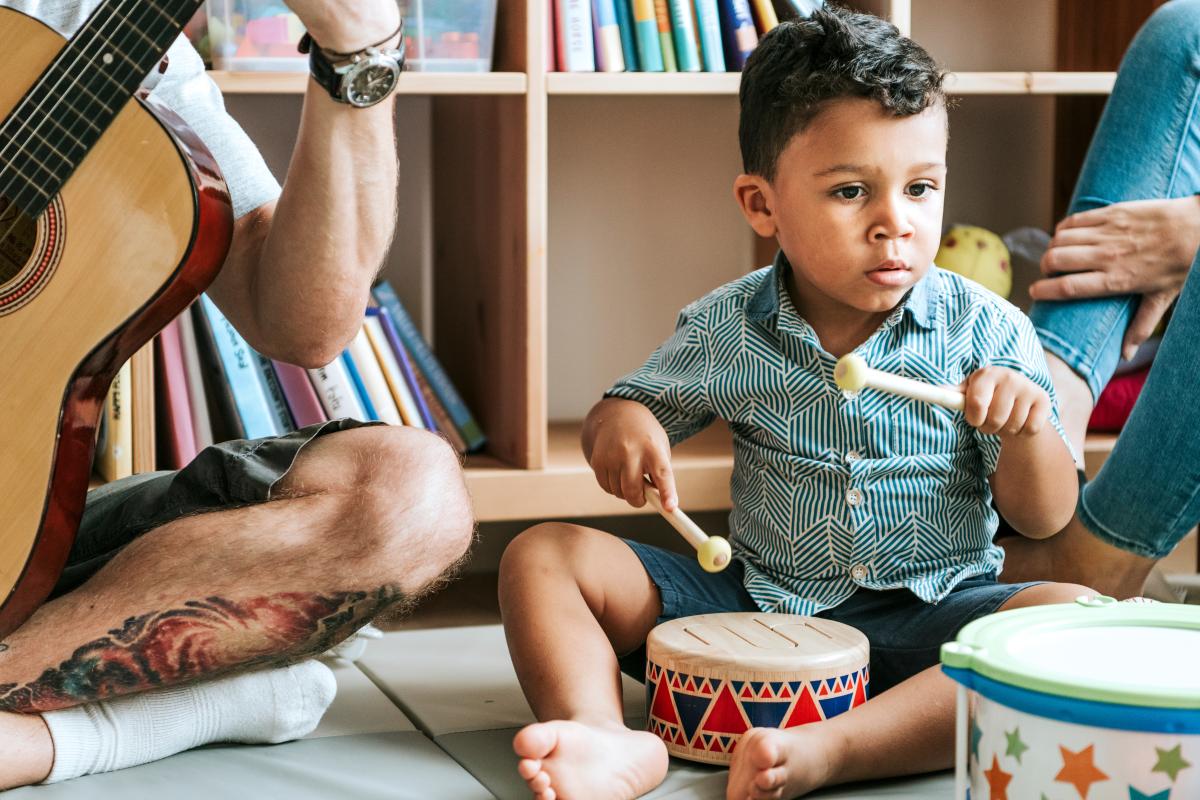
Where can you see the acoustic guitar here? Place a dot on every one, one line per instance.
(113, 218)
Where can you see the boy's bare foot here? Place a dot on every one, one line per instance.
(772, 764)
(567, 760)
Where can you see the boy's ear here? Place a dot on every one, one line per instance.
(757, 201)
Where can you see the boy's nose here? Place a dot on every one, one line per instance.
(890, 223)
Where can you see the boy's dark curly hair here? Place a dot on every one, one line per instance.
(802, 64)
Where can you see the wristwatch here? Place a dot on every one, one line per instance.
(360, 79)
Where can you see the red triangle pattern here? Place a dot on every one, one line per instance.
(824, 689)
(860, 696)
(726, 716)
(688, 685)
(766, 690)
(804, 711)
(747, 691)
(663, 708)
(675, 682)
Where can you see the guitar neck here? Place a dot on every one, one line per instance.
(49, 133)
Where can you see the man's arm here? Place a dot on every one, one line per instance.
(299, 271)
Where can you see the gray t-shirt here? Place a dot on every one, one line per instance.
(188, 91)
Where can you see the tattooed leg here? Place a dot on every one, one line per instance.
(368, 520)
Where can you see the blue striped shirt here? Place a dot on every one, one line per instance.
(832, 492)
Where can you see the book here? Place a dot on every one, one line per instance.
(197, 404)
(115, 460)
(441, 417)
(684, 30)
(740, 35)
(360, 390)
(407, 369)
(301, 397)
(374, 381)
(218, 394)
(709, 24)
(239, 363)
(141, 408)
(275, 398)
(398, 387)
(425, 361)
(628, 35)
(174, 397)
(662, 18)
(335, 391)
(609, 56)
(765, 16)
(645, 24)
(576, 51)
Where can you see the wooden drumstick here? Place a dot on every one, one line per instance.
(853, 375)
(713, 552)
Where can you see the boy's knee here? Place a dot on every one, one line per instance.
(545, 544)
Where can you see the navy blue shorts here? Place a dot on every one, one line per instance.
(905, 632)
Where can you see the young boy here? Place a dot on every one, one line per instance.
(872, 510)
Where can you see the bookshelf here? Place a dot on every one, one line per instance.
(542, 199)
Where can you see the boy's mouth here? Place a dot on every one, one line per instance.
(893, 272)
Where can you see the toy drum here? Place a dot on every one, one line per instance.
(1090, 700)
(711, 678)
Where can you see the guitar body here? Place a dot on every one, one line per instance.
(137, 232)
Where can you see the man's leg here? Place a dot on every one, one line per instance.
(365, 521)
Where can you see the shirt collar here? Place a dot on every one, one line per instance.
(920, 303)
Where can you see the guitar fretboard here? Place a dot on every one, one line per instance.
(51, 130)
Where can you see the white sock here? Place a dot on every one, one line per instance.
(264, 707)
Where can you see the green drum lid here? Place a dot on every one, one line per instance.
(1142, 654)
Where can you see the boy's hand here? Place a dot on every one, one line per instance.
(623, 442)
(1002, 401)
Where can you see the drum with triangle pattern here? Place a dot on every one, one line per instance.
(711, 678)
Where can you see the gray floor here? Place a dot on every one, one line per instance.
(424, 714)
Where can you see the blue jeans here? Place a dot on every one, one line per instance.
(1147, 146)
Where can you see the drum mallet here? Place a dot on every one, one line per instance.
(853, 375)
(713, 552)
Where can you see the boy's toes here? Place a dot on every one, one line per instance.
(540, 783)
(528, 768)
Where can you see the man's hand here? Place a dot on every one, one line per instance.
(1141, 247)
(623, 442)
(1002, 401)
(346, 26)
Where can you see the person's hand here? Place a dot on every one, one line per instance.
(1138, 247)
(629, 443)
(346, 26)
(1002, 401)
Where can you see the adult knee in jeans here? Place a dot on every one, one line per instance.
(1172, 32)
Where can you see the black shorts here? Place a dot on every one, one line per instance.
(224, 476)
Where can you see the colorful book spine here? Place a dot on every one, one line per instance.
(662, 18)
(684, 30)
(301, 397)
(278, 403)
(115, 460)
(197, 404)
(711, 47)
(360, 390)
(649, 48)
(576, 52)
(181, 437)
(441, 417)
(740, 35)
(424, 360)
(609, 57)
(407, 368)
(239, 363)
(400, 391)
(370, 370)
(628, 34)
(765, 16)
(336, 392)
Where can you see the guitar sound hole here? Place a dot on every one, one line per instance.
(18, 239)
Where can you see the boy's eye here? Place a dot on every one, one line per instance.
(848, 192)
(920, 189)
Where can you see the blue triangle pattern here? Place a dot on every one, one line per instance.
(766, 715)
(776, 686)
(691, 710)
(756, 686)
(836, 704)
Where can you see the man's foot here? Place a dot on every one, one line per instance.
(771, 764)
(1075, 555)
(567, 760)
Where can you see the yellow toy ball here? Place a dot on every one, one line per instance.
(715, 554)
(978, 254)
(850, 374)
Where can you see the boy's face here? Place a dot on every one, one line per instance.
(856, 205)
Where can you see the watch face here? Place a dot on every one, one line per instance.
(371, 82)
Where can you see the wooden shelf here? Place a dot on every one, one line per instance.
(413, 83)
(566, 486)
(959, 83)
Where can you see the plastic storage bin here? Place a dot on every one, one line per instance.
(441, 35)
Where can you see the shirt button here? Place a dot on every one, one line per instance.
(858, 572)
(854, 498)
(853, 456)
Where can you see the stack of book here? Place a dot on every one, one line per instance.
(663, 35)
(211, 386)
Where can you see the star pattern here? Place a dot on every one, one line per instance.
(1015, 746)
(1134, 794)
(1171, 762)
(1079, 769)
(998, 780)
(976, 738)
